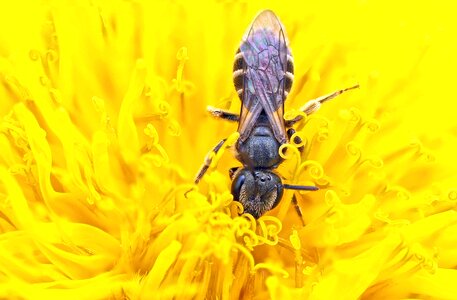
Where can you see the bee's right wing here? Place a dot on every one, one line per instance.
(250, 111)
(259, 73)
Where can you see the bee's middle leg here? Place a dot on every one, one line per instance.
(223, 114)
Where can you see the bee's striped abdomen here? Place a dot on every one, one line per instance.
(239, 66)
(289, 76)
(238, 73)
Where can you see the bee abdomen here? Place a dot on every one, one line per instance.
(239, 66)
(289, 76)
(238, 73)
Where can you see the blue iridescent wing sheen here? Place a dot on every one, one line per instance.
(265, 50)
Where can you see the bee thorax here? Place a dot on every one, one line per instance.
(260, 150)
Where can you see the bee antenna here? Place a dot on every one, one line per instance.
(300, 187)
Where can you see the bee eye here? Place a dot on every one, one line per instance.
(236, 186)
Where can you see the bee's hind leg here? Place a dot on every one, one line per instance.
(314, 105)
(208, 160)
(223, 114)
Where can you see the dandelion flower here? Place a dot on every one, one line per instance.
(104, 126)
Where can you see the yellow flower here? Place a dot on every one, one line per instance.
(104, 126)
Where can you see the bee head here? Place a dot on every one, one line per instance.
(258, 190)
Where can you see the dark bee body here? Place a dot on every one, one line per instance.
(263, 75)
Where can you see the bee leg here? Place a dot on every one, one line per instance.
(207, 163)
(232, 172)
(314, 105)
(223, 114)
(297, 139)
(298, 209)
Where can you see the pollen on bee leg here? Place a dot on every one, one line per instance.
(227, 144)
(310, 107)
(212, 158)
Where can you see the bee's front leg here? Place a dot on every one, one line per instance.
(208, 160)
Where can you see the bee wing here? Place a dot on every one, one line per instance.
(250, 111)
(264, 49)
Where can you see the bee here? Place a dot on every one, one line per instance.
(263, 72)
